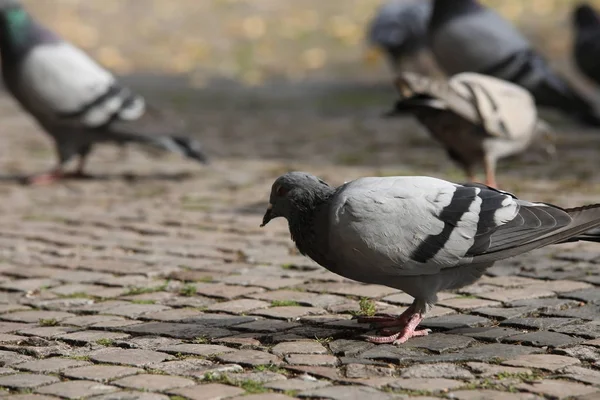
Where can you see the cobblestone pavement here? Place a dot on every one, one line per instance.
(154, 280)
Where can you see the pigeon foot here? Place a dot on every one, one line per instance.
(383, 321)
(406, 332)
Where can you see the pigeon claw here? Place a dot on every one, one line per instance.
(398, 337)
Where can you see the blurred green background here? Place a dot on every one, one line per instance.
(257, 41)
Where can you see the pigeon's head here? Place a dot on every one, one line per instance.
(294, 190)
(585, 15)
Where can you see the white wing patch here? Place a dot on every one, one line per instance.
(64, 77)
(67, 81)
(507, 212)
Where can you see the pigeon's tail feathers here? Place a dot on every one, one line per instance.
(188, 147)
(583, 219)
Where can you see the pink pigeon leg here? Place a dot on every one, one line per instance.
(407, 332)
(389, 320)
(46, 178)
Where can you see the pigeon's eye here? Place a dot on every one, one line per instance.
(281, 191)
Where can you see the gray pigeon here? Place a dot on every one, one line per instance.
(478, 118)
(468, 37)
(586, 49)
(399, 29)
(74, 99)
(418, 234)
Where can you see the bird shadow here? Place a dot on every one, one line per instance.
(126, 177)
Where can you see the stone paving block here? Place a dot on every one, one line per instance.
(351, 289)
(558, 389)
(586, 330)
(91, 336)
(8, 327)
(133, 357)
(135, 310)
(264, 396)
(177, 330)
(210, 391)
(502, 313)
(47, 332)
(196, 367)
(131, 395)
(100, 373)
(250, 358)
(365, 371)
(299, 347)
(509, 295)
(543, 338)
(466, 303)
(10, 358)
(28, 285)
(175, 315)
(440, 343)
(581, 374)
(487, 394)
(312, 359)
(147, 342)
(593, 342)
(159, 383)
(346, 392)
(296, 384)
(76, 389)
(454, 321)
(30, 397)
(289, 313)
(427, 384)
(219, 320)
(545, 304)
(486, 352)
(238, 306)
(538, 323)
(225, 291)
(266, 325)
(549, 362)
(439, 370)
(560, 286)
(49, 365)
(587, 312)
(87, 320)
(349, 348)
(6, 338)
(204, 350)
(586, 353)
(487, 370)
(36, 316)
(304, 298)
(26, 381)
(489, 334)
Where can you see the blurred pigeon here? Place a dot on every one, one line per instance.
(399, 29)
(74, 99)
(468, 37)
(420, 235)
(478, 118)
(586, 49)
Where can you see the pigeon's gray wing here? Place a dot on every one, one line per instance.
(501, 108)
(419, 225)
(474, 41)
(63, 85)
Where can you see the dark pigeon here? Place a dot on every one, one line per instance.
(399, 29)
(586, 49)
(478, 118)
(420, 235)
(468, 37)
(74, 99)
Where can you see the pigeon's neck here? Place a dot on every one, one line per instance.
(308, 225)
(19, 33)
(446, 10)
(586, 17)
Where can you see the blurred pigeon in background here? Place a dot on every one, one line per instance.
(420, 235)
(586, 48)
(466, 36)
(478, 118)
(74, 99)
(399, 30)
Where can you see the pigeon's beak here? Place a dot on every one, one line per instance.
(268, 215)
